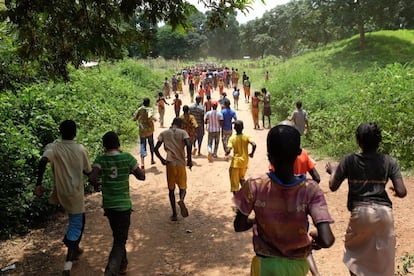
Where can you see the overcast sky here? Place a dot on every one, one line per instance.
(258, 9)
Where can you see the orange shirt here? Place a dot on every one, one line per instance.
(161, 103)
(201, 92)
(255, 102)
(303, 163)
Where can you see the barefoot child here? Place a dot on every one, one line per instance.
(177, 146)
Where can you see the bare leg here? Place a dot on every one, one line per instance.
(312, 265)
(171, 195)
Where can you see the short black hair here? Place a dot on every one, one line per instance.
(283, 143)
(146, 102)
(369, 136)
(177, 121)
(186, 108)
(298, 104)
(111, 140)
(67, 129)
(226, 102)
(238, 125)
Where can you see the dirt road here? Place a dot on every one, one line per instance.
(203, 243)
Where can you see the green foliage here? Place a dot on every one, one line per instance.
(14, 71)
(171, 44)
(342, 87)
(365, 15)
(98, 99)
(56, 34)
(23, 127)
(404, 264)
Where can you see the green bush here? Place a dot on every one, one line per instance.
(98, 99)
(342, 87)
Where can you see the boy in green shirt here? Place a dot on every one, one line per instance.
(114, 168)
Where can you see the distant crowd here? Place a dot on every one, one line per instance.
(282, 199)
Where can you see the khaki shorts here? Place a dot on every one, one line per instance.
(176, 175)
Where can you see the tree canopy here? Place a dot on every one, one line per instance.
(52, 34)
(364, 14)
(55, 33)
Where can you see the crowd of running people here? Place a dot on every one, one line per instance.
(282, 199)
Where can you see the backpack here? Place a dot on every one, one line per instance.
(236, 93)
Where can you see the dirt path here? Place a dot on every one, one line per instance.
(202, 244)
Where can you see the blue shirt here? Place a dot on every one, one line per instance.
(228, 115)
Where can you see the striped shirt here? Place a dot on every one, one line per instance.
(281, 210)
(198, 112)
(367, 176)
(115, 171)
(213, 118)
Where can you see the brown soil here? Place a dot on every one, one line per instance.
(203, 243)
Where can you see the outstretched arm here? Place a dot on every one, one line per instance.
(333, 183)
(39, 190)
(315, 175)
(138, 173)
(157, 153)
(253, 149)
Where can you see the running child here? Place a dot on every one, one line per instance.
(239, 143)
(114, 168)
(281, 202)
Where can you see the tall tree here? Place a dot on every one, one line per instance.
(263, 42)
(171, 44)
(144, 39)
(196, 36)
(224, 41)
(58, 32)
(360, 13)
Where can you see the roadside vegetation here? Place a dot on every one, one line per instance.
(99, 99)
(339, 85)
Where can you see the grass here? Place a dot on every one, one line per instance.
(342, 86)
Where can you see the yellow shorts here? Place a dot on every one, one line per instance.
(236, 174)
(176, 175)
